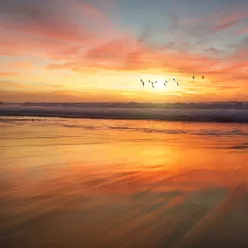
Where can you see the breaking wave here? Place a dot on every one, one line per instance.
(238, 115)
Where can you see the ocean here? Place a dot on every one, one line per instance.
(80, 182)
(227, 112)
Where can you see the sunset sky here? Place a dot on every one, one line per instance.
(98, 50)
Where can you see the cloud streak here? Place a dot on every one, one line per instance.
(82, 38)
(230, 21)
(7, 74)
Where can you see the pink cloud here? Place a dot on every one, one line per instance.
(243, 31)
(230, 20)
(73, 45)
(95, 15)
(56, 27)
(217, 21)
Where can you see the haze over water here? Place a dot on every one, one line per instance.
(122, 183)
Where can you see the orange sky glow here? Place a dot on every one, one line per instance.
(81, 51)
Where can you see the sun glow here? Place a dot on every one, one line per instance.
(164, 85)
(160, 85)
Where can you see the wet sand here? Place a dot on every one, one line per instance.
(85, 183)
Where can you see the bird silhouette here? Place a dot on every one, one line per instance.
(202, 77)
(193, 77)
(143, 83)
(177, 84)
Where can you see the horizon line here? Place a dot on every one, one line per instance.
(131, 102)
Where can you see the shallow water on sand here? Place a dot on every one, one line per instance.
(115, 183)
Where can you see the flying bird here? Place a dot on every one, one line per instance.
(193, 77)
(143, 83)
(202, 77)
(177, 84)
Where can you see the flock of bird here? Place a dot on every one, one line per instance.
(165, 83)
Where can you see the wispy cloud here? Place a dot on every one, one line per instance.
(230, 20)
(243, 31)
(82, 37)
(51, 26)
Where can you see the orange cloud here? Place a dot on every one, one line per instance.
(60, 36)
(8, 84)
(7, 74)
(22, 64)
(79, 37)
(61, 96)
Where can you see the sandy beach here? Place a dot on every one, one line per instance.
(114, 183)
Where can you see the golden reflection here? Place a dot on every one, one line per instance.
(127, 175)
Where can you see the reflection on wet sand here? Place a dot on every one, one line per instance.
(63, 187)
(226, 226)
